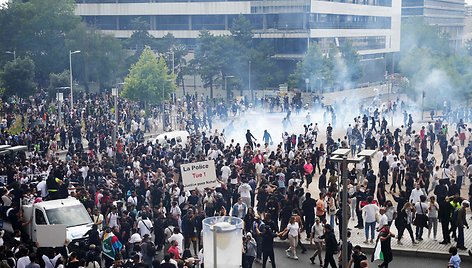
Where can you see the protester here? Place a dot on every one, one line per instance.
(133, 189)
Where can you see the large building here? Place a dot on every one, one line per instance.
(448, 15)
(372, 26)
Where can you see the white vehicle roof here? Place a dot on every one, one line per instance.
(58, 203)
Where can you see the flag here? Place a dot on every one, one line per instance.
(378, 254)
(111, 245)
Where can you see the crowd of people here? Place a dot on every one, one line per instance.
(133, 189)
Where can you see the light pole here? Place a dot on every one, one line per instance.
(59, 98)
(226, 85)
(249, 82)
(340, 156)
(307, 82)
(12, 52)
(422, 103)
(163, 104)
(70, 70)
(114, 93)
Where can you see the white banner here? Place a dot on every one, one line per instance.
(199, 175)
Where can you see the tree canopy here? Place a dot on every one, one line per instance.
(18, 77)
(148, 79)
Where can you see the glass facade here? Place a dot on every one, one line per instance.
(224, 22)
(335, 21)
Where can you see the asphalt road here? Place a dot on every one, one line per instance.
(398, 261)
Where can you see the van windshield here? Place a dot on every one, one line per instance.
(70, 216)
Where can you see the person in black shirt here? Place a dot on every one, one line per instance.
(93, 236)
(267, 245)
(249, 138)
(331, 246)
(308, 213)
(357, 257)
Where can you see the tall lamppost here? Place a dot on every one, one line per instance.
(307, 82)
(249, 82)
(163, 104)
(12, 52)
(340, 156)
(59, 99)
(226, 85)
(70, 70)
(114, 93)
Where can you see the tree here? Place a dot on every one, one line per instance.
(207, 59)
(148, 80)
(101, 56)
(350, 58)
(431, 66)
(57, 80)
(38, 28)
(312, 67)
(17, 78)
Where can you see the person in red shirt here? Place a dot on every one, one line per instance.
(174, 250)
(308, 167)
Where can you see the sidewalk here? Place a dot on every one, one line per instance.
(426, 248)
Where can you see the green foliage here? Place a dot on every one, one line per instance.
(208, 59)
(59, 80)
(431, 66)
(351, 60)
(219, 56)
(148, 80)
(100, 58)
(339, 67)
(17, 77)
(39, 28)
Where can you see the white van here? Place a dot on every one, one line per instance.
(181, 137)
(55, 223)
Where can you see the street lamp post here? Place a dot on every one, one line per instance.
(249, 82)
(163, 105)
(12, 52)
(114, 93)
(59, 98)
(340, 156)
(70, 70)
(226, 85)
(307, 82)
(422, 103)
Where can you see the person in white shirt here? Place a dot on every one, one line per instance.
(23, 261)
(316, 231)
(97, 218)
(293, 232)
(42, 187)
(383, 218)
(50, 263)
(416, 193)
(259, 167)
(225, 172)
(421, 209)
(177, 236)
(433, 213)
(132, 199)
(145, 226)
(435, 180)
(244, 191)
(112, 218)
(369, 212)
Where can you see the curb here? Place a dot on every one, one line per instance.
(407, 252)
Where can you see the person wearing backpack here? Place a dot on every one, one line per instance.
(145, 226)
(148, 250)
